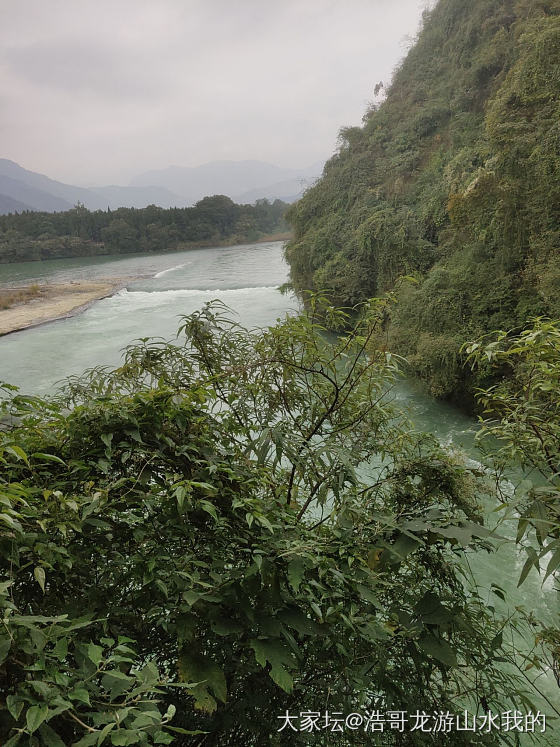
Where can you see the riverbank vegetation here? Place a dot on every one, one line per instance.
(11, 296)
(76, 233)
(453, 181)
(521, 428)
(234, 526)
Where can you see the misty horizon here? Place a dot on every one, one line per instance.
(97, 94)
(174, 166)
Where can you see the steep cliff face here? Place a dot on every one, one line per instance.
(453, 181)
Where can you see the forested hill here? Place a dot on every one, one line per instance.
(454, 180)
(79, 232)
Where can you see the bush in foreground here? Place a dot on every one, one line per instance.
(228, 527)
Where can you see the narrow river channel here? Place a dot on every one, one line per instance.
(246, 278)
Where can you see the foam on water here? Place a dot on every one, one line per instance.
(37, 358)
(171, 269)
(178, 292)
(254, 305)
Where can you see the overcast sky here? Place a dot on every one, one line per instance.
(96, 91)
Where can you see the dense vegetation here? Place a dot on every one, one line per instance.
(79, 232)
(236, 525)
(522, 428)
(454, 181)
(189, 545)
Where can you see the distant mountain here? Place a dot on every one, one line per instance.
(42, 193)
(244, 181)
(9, 205)
(27, 190)
(176, 186)
(35, 199)
(138, 197)
(288, 190)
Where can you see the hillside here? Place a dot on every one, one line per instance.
(455, 181)
(9, 205)
(24, 193)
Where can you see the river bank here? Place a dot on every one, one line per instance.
(40, 303)
(91, 249)
(33, 293)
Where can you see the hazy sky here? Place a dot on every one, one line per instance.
(96, 91)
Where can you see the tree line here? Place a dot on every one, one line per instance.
(80, 232)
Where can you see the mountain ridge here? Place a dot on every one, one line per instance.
(242, 181)
(40, 192)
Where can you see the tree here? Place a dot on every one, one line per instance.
(218, 211)
(230, 526)
(521, 427)
(120, 236)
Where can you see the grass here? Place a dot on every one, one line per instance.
(12, 296)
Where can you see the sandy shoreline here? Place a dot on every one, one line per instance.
(56, 301)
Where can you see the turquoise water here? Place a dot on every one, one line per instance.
(246, 278)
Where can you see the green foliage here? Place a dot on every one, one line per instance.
(523, 417)
(230, 526)
(78, 232)
(522, 427)
(454, 179)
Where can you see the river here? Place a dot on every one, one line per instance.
(246, 278)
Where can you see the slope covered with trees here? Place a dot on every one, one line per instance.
(79, 232)
(454, 183)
